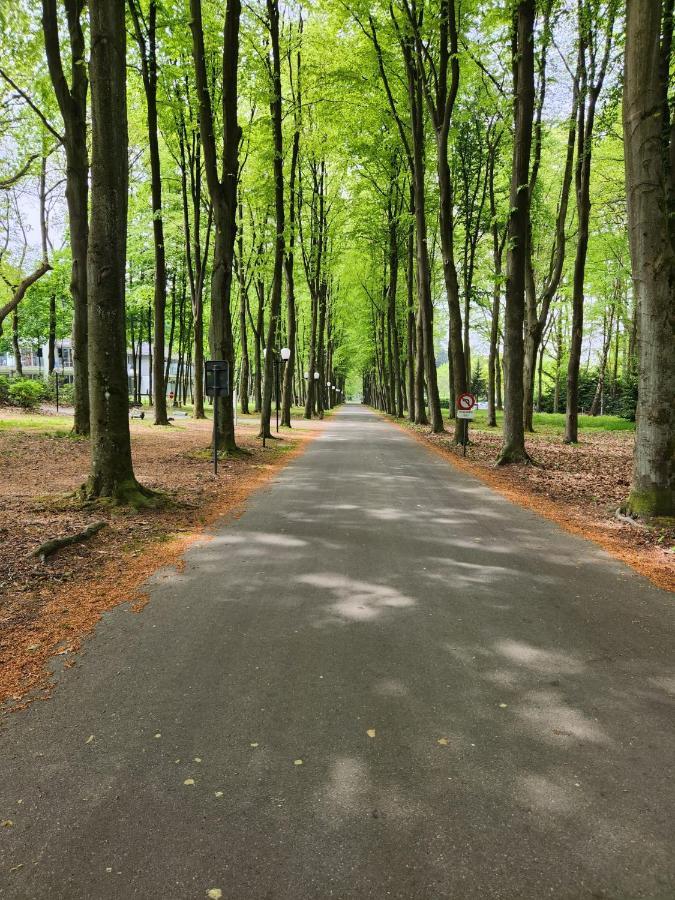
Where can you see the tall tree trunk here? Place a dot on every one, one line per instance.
(172, 331)
(72, 101)
(497, 254)
(51, 352)
(112, 473)
(537, 309)
(591, 81)
(18, 363)
(223, 193)
(244, 371)
(150, 365)
(146, 38)
(271, 358)
(650, 186)
(602, 369)
(513, 449)
(289, 261)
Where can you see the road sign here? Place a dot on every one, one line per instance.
(465, 410)
(217, 377)
(466, 402)
(217, 385)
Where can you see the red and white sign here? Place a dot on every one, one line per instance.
(466, 402)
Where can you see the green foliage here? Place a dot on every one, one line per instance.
(5, 385)
(26, 393)
(478, 381)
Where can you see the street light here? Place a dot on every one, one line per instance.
(285, 355)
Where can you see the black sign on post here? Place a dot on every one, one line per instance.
(217, 385)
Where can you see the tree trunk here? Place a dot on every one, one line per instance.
(410, 345)
(271, 357)
(18, 363)
(172, 331)
(146, 38)
(51, 353)
(112, 473)
(223, 194)
(150, 361)
(606, 344)
(289, 262)
(590, 87)
(72, 101)
(513, 450)
(650, 188)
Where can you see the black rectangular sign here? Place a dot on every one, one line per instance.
(217, 377)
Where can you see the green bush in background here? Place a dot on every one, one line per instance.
(26, 393)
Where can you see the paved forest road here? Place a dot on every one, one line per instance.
(518, 682)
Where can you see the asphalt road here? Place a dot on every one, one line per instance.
(383, 680)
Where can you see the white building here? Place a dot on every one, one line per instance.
(35, 364)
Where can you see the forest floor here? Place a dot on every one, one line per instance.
(579, 486)
(46, 608)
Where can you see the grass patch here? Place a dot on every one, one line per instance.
(554, 423)
(57, 426)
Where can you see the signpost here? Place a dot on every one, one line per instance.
(217, 380)
(466, 404)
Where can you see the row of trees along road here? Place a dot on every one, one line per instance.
(360, 183)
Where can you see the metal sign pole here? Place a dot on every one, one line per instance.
(215, 435)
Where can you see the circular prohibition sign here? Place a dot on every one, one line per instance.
(466, 402)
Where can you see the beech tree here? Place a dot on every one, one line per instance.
(72, 101)
(649, 136)
(513, 450)
(222, 192)
(112, 473)
(145, 31)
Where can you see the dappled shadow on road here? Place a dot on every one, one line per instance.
(405, 686)
(460, 677)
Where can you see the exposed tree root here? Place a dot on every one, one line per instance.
(49, 547)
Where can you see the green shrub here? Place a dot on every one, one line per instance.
(4, 390)
(26, 393)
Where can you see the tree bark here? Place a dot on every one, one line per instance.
(650, 188)
(146, 38)
(18, 363)
(271, 358)
(513, 449)
(590, 87)
(223, 193)
(112, 473)
(72, 101)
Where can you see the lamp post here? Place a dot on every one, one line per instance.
(285, 356)
(316, 389)
(330, 396)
